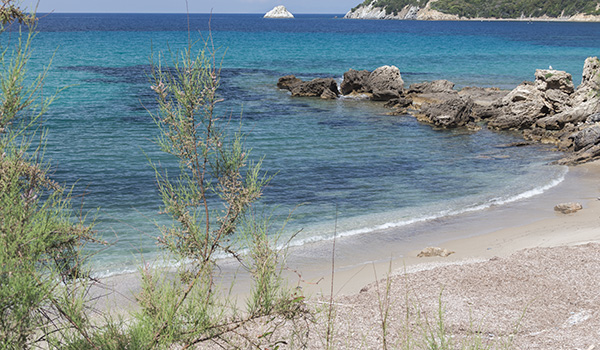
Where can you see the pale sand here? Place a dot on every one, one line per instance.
(490, 277)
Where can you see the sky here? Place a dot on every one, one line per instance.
(195, 6)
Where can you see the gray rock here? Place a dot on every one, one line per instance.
(520, 108)
(568, 208)
(355, 81)
(287, 82)
(550, 79)
(594, 118)
(385, 83)
(589, 89)
(315, 87)
(328, 94)
(587, 137)
(401, 102)
(385, 95)
(558, 99)
(450, 114)
(431, 87)
(558, 121)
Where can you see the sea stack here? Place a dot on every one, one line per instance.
(279, 12)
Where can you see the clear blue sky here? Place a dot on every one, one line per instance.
(195, 6)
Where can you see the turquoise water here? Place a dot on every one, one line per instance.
(380, 171)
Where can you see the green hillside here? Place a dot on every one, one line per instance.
(498, 8)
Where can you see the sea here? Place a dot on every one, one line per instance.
(341, 167)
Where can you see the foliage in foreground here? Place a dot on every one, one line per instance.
(41, 273)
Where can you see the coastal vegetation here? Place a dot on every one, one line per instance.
(495, 8)
(42, 276)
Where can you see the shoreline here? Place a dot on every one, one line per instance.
(474, 237)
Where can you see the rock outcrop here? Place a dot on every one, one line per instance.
(325, 88)
(551, 110)
(355, 82)
(383, 84)
(453, 113)
(548, 110)
(279, 12)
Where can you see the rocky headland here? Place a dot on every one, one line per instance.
(445, 10)
(549, 109)
(279, 12)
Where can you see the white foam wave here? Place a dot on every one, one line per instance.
(493, 202)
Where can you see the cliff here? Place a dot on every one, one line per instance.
(576, 10)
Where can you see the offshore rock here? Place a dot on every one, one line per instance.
(279, 12)
(385, 83)
(355, 81)
(321, 87)
(315, 87)
(287, 82)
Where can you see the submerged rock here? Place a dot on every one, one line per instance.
(279, 12)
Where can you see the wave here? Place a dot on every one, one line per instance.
(492, 202)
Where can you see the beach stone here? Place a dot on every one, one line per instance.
(431, 87)
(450, 114)
(287, 82)
(315, 87)
(568, 208)
(434, 251)
(355, 81)
(385, 83)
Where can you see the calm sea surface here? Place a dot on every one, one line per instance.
(380, 171)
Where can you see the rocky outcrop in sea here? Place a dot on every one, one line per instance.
(549, 109)
(279, 12)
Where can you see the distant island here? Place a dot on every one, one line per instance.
(548, 10)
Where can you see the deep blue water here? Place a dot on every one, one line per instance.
(380, 171)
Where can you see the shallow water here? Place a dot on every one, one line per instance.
(343, 158)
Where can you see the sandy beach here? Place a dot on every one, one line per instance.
(521, 263)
